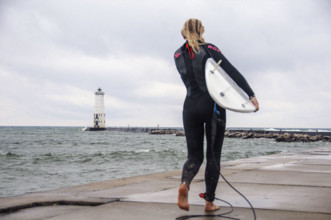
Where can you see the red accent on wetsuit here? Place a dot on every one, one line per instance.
(177, 55)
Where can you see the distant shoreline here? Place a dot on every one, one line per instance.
(278, 134)
(281, 135)
(309, 131)
(264, 129)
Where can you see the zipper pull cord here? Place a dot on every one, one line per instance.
(190, 51)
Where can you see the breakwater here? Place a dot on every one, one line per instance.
(278, 135)
(132, 129)
(281, 136)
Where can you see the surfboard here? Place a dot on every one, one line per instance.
(224, 90)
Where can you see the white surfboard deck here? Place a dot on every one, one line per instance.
(225, 92)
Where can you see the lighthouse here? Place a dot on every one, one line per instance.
(99, 122)
(99, 116)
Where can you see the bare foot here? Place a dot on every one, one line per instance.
(183, 197)
(210, 207)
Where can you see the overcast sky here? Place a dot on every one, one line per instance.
(54, 54)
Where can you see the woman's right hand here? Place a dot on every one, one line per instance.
(255, 103)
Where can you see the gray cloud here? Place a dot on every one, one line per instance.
(55, 54)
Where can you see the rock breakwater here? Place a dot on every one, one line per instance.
(279, 136)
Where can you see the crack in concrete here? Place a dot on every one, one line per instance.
(54, 203)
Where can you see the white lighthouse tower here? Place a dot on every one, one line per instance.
(99, 122)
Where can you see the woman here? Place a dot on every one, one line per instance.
(200, 113)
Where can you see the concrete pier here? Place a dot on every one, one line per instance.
(281, 186)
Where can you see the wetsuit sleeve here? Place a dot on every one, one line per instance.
(230, 69)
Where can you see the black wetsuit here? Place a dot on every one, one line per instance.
(198, 113)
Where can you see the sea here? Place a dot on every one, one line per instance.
(34, 159)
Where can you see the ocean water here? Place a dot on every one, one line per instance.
(34, 159)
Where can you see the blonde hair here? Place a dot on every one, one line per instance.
(192, 31)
